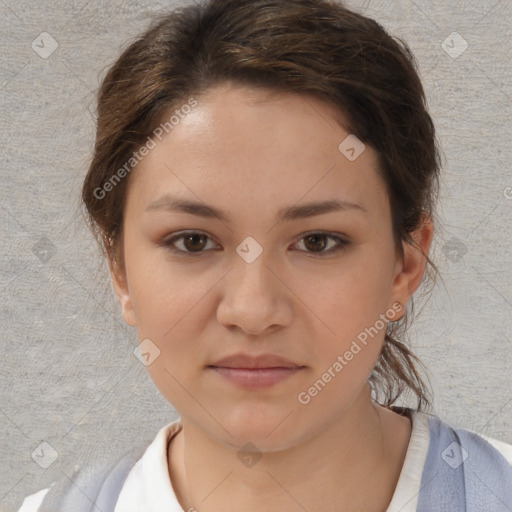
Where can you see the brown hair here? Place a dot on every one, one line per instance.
(316, 47)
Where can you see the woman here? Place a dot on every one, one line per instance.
(263, 184)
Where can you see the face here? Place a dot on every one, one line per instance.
(270, 276)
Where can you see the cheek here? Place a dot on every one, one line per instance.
(347, 342)
(172, 306)
(168, 307)
(170, 311)
(349, 301)
(347, 313)
(162, 292)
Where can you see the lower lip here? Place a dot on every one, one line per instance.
(254, 378)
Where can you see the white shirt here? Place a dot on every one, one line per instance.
(148, 486)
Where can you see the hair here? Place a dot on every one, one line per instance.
(316, 47)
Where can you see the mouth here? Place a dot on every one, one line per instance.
(255, 378)
(252, 372)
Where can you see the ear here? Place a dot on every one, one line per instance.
(120, 284)
(409, 270)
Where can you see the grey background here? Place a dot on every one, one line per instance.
(68, 373)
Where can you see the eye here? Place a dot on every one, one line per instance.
(318, 241)
(193, 242)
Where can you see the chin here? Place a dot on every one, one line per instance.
(267, 431)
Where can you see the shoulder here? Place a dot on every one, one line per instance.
(103, 478)
(504, 448)
(481, 446)
(99, 481)
(465, 468)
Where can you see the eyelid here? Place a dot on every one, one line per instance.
(333, 234)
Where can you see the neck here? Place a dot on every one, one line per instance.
(360, 450)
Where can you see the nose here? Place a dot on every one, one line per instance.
(255, 298)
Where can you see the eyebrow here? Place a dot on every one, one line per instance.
(285, 214)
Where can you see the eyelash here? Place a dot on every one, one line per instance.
(342, 243)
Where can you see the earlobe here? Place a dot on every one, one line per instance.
(120, 284)
(411, 268)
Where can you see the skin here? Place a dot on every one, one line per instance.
(250, 153)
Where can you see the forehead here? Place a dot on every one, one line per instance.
(262, 147)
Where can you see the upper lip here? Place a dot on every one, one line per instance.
(241, 360)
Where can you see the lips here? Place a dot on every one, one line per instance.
(247, 361)
(255, 372)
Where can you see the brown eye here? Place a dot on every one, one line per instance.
(317, 242)
(192, 243)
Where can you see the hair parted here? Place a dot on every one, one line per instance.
(314, 47)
